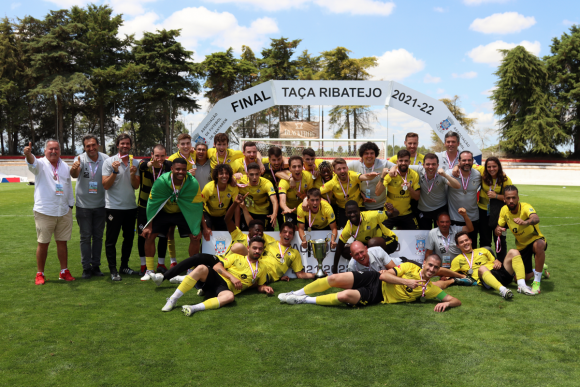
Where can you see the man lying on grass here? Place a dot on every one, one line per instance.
(220, 280)
(403, 283)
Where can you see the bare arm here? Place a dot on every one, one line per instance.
(337, 255)
(415, 194)
(284, 175)
(218, 267)
(468, 225)
(230, 215)
(135, 180)
(334, 231)
(75, 169)
(303, 275)
(448, 302)
(368, 176)
(390, 277)
(381, 184)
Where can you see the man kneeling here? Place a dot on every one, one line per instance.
(222, 281)
(403, 283)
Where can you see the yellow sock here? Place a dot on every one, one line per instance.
(490, 280)
(187, 284)
(328, 299)
(212, 303)
(518, 265)
(150, 261)
(320, 285)
(171, 248)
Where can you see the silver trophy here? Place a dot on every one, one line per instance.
(320, 248)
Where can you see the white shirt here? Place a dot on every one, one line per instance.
(378, 260)
(46, 201)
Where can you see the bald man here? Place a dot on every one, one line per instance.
(370, 259)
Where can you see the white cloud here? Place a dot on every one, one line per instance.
(568, 23)
(440, 91)
(479, 2)
(397, 65)
(438, 9)
(15, 5)
(360, 7)
(128, 7)
(431, 79)
(503, 23)
(489, 91)
(199, 23)
(489, 54)
(467, 75)
(69, 3)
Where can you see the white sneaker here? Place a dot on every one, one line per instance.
(200, 292)
(157, 278)
(177, 279)
(169, 305)
(147, 275)
(187, 310)
(283, 296)
(506, 293)
(294, 299)
(526, 290)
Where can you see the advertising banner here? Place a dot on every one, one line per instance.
(299, 129)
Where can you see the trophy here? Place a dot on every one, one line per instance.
(249, 201)
(320, 248)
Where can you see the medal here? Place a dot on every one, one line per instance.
(217, 188)
(470, 271)
(470, 263)
(432, 184)
(341, 187)
(404, 186)
(310, 222)
(189, 160)
(254, 272)
(465, 183)
(282, 254)
(175, 190)
(424, 287)
(422, 299)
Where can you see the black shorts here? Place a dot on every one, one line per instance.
(405, 222)
(528, 254)
(215, 223)
(141, 219)
(263, 217)
(214, 284)
(163, 222)
(392, 243)
(369, 286)
(502, 276)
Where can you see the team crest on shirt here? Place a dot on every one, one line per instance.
(419, 245)
(244, 276)
(530, 209)
(258, 191)
(229, 195)
(220, 246)
(368, 227)
(228, 161)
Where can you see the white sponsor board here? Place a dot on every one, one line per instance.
(411, 246)
(366, 93)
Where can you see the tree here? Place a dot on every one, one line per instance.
(522, 99)
(563, 67)
(466, 122)
(170, 77)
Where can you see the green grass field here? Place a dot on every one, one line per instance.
(98, 333)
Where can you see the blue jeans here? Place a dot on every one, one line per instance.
(91, 223)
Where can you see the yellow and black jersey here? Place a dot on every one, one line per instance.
(293, 195)
(524, 234)
(216, 205)
(393, 294)
(481, 257)
(260, 194)
(250, 273)
(229, 158)
(320, 220)
(279, 259)
(338, 189)
(371, 225)
(396, 195)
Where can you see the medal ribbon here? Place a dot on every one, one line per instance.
(404, 178)
(310, 223)
(372, 170)
(358, 228)
(431, 187)
(189, 160)
(218, 157)
(282, 254)
(446, 241)
(415, 160)
(217, 188)
(254, 272)
(55, 171)
(347, 183)
(465, 183)
(449, 161)
(273, 175)
(468, 262)
(424, 286)
(497, 245)
(175, 190)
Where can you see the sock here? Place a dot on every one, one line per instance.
(66, 268)
(328, 299)
(318, 286)
(171, 247)
(212, 303)
(161, 261)
(502, 289)
(519, 269)
(177, 294)
(522, 283)
(310, 300)
(537, 275)
(173, 260)
(489, 279)
(150, 263)
(143, 261)
(187, 284)
(41, 272)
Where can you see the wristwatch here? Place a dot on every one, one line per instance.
(116, 173)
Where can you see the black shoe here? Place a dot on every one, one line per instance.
(97, 272)
(115, 276)
(127, 270)
(87, 273)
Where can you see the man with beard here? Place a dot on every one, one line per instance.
(91, 213)
(261, 194)
(53, 203)
(369, 162)
(522, 220)
(318, 214)
(466, 195)
(293, 191)
(411, 144)
(344, 187)
(403, 283)
(120, 180)
(274, 165)
(175, 200)
(251, 155)
(400, 190)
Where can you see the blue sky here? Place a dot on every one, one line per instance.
(440, 48)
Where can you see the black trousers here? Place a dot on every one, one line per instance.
(161, 243)
(473, 234)
(428, 219)
(118, 220)
(195, 260)
(488, 238)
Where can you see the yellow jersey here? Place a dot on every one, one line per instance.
(481, 257)
(338, 189)
(190, 160)
(399, 198)
(483, 198)
(371, 225)
(260, 194)
(524, 234)
(329, 197)
(419, 159)
(400, 293)
(277, 264)
(292, 198)
(213, 205)
(317, 162)
(320, 220)
(250, 273)
(230, 157)
(239, 237)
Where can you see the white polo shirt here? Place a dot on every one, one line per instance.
(378, 259)
(46, 200)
